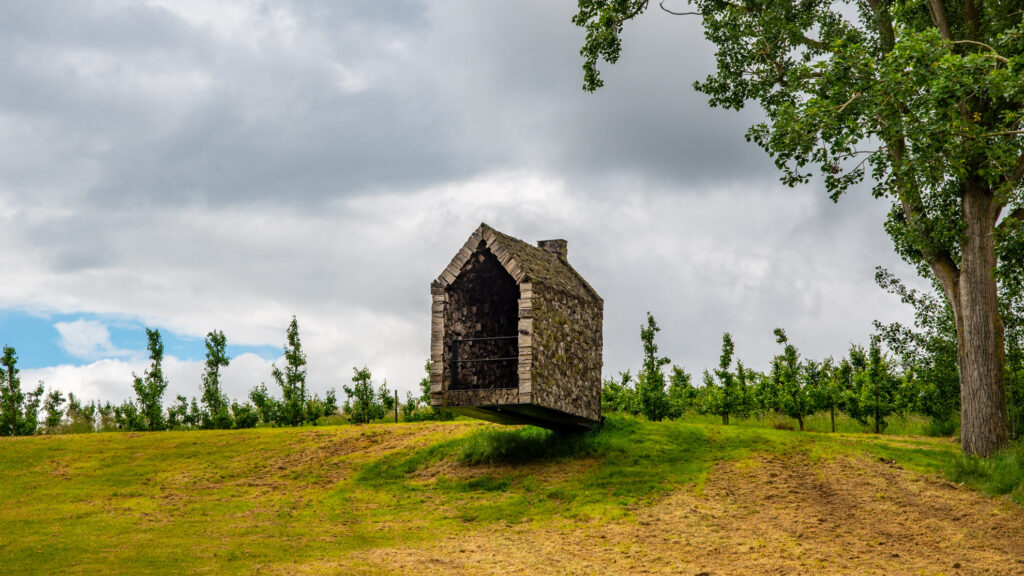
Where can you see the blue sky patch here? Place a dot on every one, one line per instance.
(39, 342)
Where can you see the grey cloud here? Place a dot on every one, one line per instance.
(328, 162)
(161, 112)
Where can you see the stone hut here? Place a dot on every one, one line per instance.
(516, 335)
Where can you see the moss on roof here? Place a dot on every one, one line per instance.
(543, 267)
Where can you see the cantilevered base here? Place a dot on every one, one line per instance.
(525, 414)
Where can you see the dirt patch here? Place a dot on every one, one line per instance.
(771, 515)
(320, 459)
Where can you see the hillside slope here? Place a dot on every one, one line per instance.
(471, 498)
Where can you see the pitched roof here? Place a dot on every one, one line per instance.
(524, 262)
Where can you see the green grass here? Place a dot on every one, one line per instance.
(631, 461)
(258, 500)
(909, 425)
(1000, 474)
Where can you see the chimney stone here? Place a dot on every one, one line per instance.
(559, 247)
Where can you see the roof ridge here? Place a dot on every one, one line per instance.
(523, 261)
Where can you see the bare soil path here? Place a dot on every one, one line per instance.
(769, 515)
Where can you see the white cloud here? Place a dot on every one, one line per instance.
(110, 380)
(87, 339)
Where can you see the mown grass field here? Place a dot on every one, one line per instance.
(468, 497)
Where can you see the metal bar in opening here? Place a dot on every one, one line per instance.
(487, 360)
(486, 338)
(455, 362)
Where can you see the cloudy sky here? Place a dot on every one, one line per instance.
(192, 166)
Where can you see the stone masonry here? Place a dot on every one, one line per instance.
(550, 372)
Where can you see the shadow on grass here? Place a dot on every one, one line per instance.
(636, 458)
(487, 447)
(499, 474)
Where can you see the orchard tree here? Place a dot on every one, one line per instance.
(12, 399)
(149, 388)
(19, 411)
(53, 405)
(928, 351)
(30, 414)
(363, 404)
(244, 415)
(107, 420)
(128, 417)
(80, 417)
(727, 396)
(267, 407)
(764, 394)
(788, 373)
(217, 413)
(650, 385)
(317, 408)
(875, 389)
(292, 380)
(831, 387)
(927, 95)
(681, 393)
(618, 394)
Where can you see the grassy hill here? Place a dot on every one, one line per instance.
(470, 498)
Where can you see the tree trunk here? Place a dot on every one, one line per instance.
(800, 419)
(983, 421)
(878, 429)
(725, 418)
(832, 412)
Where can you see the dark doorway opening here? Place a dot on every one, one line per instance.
(481, 331)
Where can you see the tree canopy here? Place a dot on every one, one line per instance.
(925, 96)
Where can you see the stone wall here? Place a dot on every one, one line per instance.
(498, 285)
(566, 352)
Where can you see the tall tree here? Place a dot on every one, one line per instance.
(729, 396)
(217, 413)
(12, 399)
(927, 95)
(650, 385)
(292, 380)
(150, 387)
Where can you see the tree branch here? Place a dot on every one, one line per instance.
(1004, 133)
(847, 103)
(673, 12)
(999, 57)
